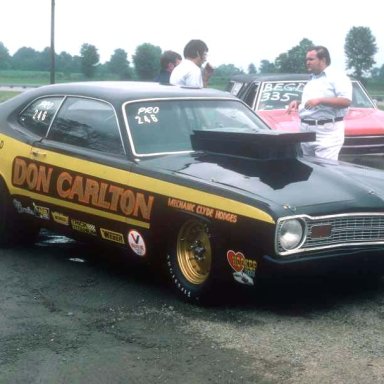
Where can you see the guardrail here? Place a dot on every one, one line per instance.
(17, 87)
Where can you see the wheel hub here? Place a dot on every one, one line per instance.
(198, 250)
(194, 254)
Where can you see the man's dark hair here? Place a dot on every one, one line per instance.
(195, 48)
(169, 57)
(322, 53)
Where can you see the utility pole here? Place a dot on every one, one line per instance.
(52, 77)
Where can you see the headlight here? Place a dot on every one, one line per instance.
(291, 233)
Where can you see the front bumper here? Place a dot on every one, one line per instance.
(321, 263)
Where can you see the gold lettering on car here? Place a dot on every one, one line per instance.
(81, 189)
(184, 205)
(60, 218)
(226, 216)
(41, 212)
(81, 226)
(107, 234)
(37, 178)
(202, 210)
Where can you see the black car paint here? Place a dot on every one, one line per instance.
(277, 186)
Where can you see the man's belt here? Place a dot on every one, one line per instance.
(322, 122)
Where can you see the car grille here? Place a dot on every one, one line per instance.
(340, 231)
(363, 145)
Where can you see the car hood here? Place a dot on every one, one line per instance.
(284, 187)
(279, 119)
(363, 121)
(359, 121)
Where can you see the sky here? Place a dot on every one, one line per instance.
(238, 32)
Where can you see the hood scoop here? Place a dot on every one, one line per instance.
(263, 146)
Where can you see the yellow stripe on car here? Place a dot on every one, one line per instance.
(119, 176)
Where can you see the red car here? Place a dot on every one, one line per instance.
(269, 96)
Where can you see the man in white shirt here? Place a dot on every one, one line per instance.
(189, 72)
(326, 98)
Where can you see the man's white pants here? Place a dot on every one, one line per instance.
(329, 140)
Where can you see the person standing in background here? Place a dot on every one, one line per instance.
(326, 98)
(168, 61)
(190, 72)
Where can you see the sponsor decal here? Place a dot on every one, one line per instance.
(112, 236)
(81, 226)
(60, 218)
(136, 242)
(244, 268)
(41, 212)
(81, 189)
(20, 209)
(202, 210)
(243, 278)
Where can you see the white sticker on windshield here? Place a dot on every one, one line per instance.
(147, 115)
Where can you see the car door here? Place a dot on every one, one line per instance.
(29, 126)
(82, 173)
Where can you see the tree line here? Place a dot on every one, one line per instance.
(359, 48)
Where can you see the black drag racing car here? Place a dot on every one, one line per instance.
(189, 179)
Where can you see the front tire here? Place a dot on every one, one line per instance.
(191, 262)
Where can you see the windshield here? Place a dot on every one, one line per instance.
(278, 94)
(165, 126)
(360, 99)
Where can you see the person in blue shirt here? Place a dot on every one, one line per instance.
(168, 61)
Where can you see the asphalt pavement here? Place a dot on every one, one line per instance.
(71, 313)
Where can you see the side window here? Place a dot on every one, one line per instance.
(38, 116)
(249, 98)
(234, 87)
(230, 86)
(89, 124)
(359, 97)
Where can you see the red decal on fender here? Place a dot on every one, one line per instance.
(236, 260)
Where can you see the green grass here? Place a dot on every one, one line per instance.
(24, 77)
(5, 95)
(36, 77)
